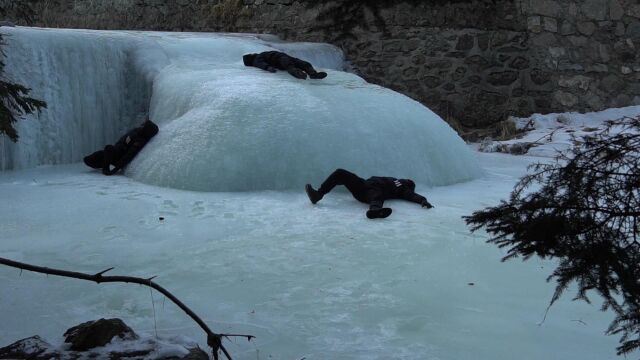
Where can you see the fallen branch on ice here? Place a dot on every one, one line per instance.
(213, 340)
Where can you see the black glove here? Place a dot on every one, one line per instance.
(271, 69)
(426, 204)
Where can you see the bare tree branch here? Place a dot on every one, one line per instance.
(214, 340)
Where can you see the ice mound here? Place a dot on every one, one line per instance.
(234, 128)
(223, 126)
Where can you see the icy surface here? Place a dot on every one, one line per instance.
(223, 126)
(91, 88)
(320, 282)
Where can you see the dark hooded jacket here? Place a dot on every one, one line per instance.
(127, 147)
(272, 60)
(381, 188)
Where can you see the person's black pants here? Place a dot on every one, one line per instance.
(353, 183)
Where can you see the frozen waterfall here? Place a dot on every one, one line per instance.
(223, 126)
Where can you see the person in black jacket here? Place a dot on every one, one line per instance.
(115, 157)
(373, 191)
(273, 60)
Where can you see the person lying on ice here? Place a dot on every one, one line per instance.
(274, 60)
(373, 191)
(124, 150)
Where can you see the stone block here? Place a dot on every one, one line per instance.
(604, 52)
(392, 46)
(633, 29)
(517, 92)
(544, 40)
(449, 87)
(410, 72)
(566, 99)
(411, 44)
(475, 79)
(620, 28)
(616, 11)
(594, 9)
(567, 28)
(578, 40)
(612, 83)
(597, 68)
(440, 64)
(519, 63)
(458, 73)
(573, 9)
(483, 41)
(432, 82)
(539, 77)
(465, 42)
(580, 82)
(565, 65)
(418, 59)
(634, 10)
(586, 27)
(503, 57)
(502, 78)
(550, 24)
(594, 102)
(625, 70)
(545, 7)
(557, 52)
(534, 24)
(477, 61)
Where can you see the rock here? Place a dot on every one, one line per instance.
(539, 77)
(594, 9)
(465, 42)
(612, 83)
(576, 82)
(534, 24)
(550, 24)
(566, 28)
(586, 27)
(96, 333)
(32, 348)
(616, 11)
(502, 78)
(566, 99)
(7, 23)
(633, 29)
(545, 7)
(519, 63)
(35, 348)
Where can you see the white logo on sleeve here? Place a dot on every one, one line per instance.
(397, 183)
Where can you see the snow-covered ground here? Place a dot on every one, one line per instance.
(546, 135)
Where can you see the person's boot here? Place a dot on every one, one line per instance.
(95, 160)
(318, 75)
(379, 213)
(313, 194)
(295, 72)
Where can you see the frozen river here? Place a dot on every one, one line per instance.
(320, 282)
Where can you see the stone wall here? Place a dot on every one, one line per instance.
(474, 62)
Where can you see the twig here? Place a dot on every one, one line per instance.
(213, 340)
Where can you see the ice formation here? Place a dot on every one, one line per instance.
(223, 126)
